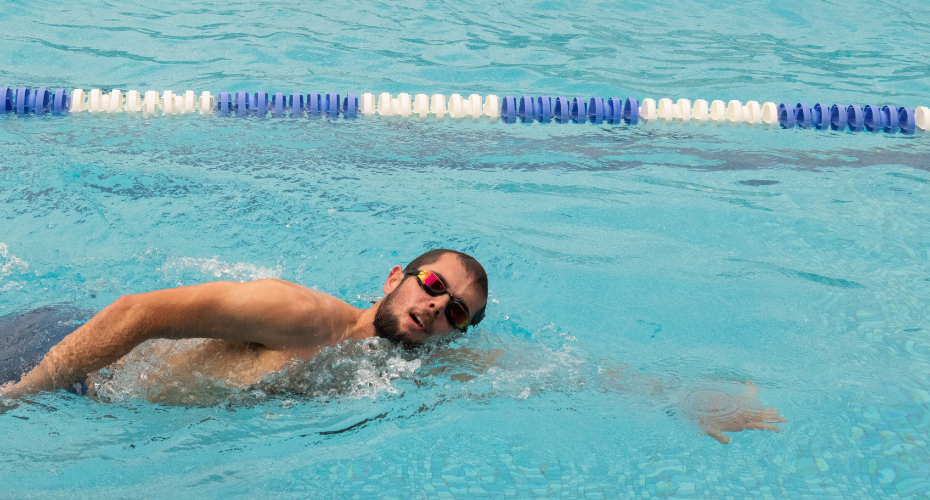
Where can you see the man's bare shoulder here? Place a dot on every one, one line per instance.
(289, 295)
(275, 313)
(290, 315)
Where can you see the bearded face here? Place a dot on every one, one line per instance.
(388, 319)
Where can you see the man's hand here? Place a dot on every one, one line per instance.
(717, 412)
(35, 381)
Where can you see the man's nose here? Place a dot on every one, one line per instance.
(438, 304)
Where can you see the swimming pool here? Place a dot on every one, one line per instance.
(701, 255)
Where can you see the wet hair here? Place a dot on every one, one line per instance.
(472, 267)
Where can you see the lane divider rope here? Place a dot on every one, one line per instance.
(510, 109)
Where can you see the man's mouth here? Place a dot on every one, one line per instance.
(417, 320)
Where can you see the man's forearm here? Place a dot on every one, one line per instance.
(105, 338)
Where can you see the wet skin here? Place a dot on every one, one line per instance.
(257, 327)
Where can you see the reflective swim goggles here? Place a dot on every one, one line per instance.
(456, 311)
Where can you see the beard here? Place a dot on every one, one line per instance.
(387, 323)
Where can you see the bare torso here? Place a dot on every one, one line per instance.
(238, 363)
(192, 371)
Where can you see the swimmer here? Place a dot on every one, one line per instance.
(258, 327)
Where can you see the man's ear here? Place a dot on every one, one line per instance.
(394, 278)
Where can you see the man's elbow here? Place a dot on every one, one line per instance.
(124, 305)
(127, 317)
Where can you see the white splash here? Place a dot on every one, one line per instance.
(362, 369)
(146, 373)
(238, 271)
(10, 264)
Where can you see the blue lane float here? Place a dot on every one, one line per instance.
(543, 108)
(6, 100)
(241, 104)
(331, 104)
(260, 103)
(614, 110)
(562, 111)
(296, 103)
(838, 119)
(278, 105)
(872, 118)
(906, 120)
(41, 99)
(22, 100)
(804, 116)
(61, 103)
(350, 105)
(509, 109)
(787, 115)
(821, 115)
(631, 111)
(596, 110)
(579, 110)
(525, 108)
(223, 103)
(890, 119)
(856, 118)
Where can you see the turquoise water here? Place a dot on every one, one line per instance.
(654, 250)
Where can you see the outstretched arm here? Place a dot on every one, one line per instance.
(273, 313)
(715, 408)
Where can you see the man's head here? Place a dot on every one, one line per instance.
(413, 310)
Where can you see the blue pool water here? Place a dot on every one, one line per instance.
(697, 257)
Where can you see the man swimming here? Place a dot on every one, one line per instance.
(261, 325)
(258, 327)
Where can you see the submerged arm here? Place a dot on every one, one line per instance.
(712, 408)
(716, 407)
(274, 313)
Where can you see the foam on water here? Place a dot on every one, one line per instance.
(239, 271)
(10, 265)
